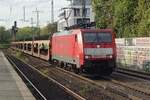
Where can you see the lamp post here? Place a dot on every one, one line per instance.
(52, 11)
(32, 29)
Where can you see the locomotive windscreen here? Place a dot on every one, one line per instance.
(97, 37)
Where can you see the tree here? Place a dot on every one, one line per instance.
(49, 29)
(142, 18)
(124, 11)
(2, 31)
(26, 33)
(103, 11)
(128, 18)
(4, 35)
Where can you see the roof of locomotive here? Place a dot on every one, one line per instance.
(78, 31)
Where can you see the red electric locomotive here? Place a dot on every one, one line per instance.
(91, 50)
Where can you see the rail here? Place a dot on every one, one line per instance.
(24, 76)
(134, 73)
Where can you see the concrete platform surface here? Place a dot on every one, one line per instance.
(11, 85)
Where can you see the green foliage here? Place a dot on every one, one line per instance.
(86, 89)
(49, 29)
(21, 56)
(26, 33)
(143, 18)
(4, 35)
(4, 46)
(128, 18)
(103, 13)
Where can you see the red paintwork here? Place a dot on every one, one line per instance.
(65, 45)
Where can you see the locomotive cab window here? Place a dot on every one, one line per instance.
(97, 37)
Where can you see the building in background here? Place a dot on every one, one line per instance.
(77, 12)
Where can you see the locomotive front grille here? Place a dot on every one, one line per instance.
(98, 51)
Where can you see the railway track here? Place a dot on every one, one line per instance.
(66, 94)
(137, 74)
(111, 85)
(35, 91)
(98, 83)
(133, 89)
(141, 86)
(136, 90)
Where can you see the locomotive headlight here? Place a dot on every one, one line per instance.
(109, 56)
(87, 57)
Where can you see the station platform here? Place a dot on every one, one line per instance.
(11, 85)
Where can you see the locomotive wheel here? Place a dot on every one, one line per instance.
(65, 66)
(55, 62)
(62, 64)
(77, 70)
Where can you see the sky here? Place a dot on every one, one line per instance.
(12, 10)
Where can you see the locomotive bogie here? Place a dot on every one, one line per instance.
(103, 67)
